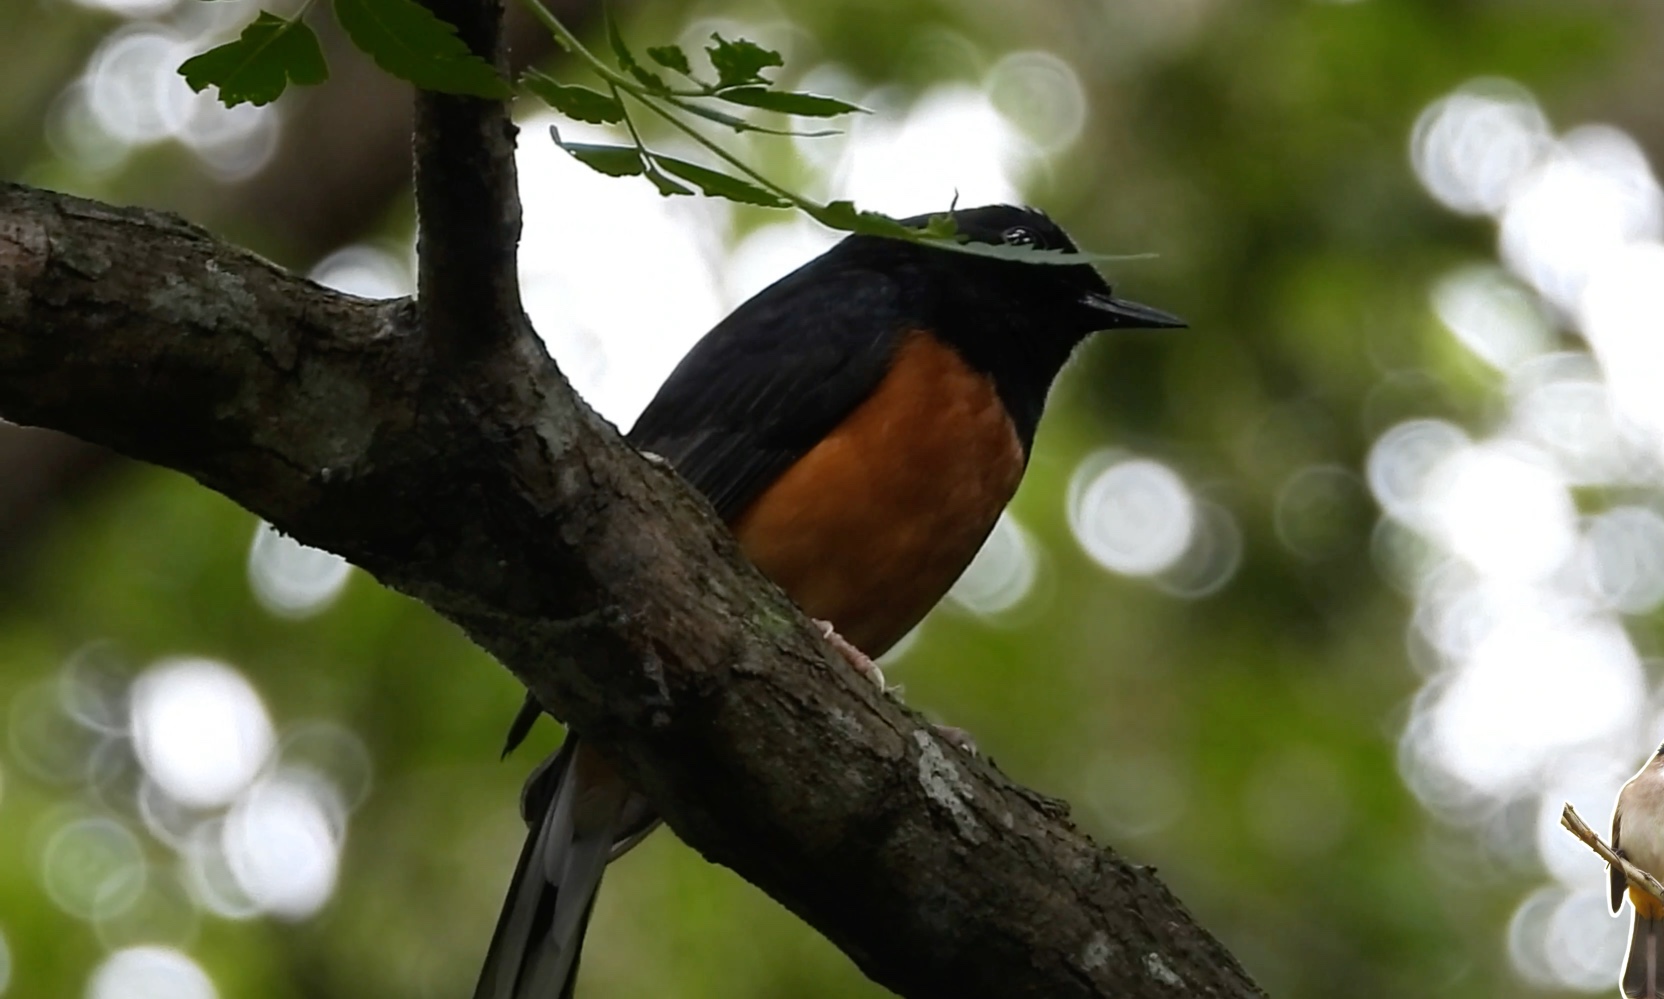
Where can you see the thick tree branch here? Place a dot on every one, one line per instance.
(499, 500)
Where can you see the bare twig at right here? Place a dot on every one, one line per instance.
(1641, 879)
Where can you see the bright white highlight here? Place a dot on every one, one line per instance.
(132, 96)
(1471, 147)
(200, 729)
(150, 973)
(365, 271)
(1503, 509)
(1562, 406)
(291, 579)
(1402, 461)
(1591, 196)
(1533, 688)
(1622, 313)
(1003, 573)
(1624, 557)
(1133, 516)
(1493, 316)
(282, 841)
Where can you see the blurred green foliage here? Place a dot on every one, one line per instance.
(1243, 743)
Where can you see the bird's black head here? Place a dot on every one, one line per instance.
(1017, 321)
(1067, 301)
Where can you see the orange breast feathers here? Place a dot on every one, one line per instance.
(871, 526)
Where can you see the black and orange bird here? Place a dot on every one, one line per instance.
(1638, 837)
(859, 425)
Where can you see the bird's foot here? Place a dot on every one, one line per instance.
(855, 657)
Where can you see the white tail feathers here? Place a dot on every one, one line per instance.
(579, 812)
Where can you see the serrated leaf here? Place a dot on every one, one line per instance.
(270, 54)
(839, 215)
(845, 217)
(740, 62)
(879, 224)
(720, 185)
(1030, 255)
(741, 125)
(671, 57)
(941, 232)
(629, 64)
(788, 102)
(939, 226)
(406, 40)
(614, 161)
(576, 102)
(666, 186)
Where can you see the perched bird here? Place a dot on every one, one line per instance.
(1638, 837)
(859, 425)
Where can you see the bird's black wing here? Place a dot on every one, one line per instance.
(770, 381)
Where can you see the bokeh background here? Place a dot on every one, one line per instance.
(1323, 607)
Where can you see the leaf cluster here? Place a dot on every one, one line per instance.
(410, 42)
(403, 37)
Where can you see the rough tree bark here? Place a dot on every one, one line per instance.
(438, 447)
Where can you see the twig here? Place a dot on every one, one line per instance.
(1641, 879)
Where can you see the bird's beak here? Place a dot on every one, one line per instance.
(1123, 314)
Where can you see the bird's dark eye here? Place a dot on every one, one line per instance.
(1019, 235)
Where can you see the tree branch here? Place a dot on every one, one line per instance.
(467, 204)
(499, 500)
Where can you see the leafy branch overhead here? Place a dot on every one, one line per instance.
(409, 42)
(402, 36)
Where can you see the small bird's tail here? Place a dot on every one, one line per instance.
(1644, 970)
(581, 815)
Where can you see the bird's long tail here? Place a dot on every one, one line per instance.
(581, 815)
(1641, 970)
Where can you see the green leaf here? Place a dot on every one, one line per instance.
(1030, 255)
(941, 232)
(786, 102)
(739, 62)
(614, 161)
(720, 185)
(671, 57)
(843, 216)
(741, 125)
(580, 103)
(940, 226)
(627, 61)
(666, 186)
(406, 40)
(270, 54)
